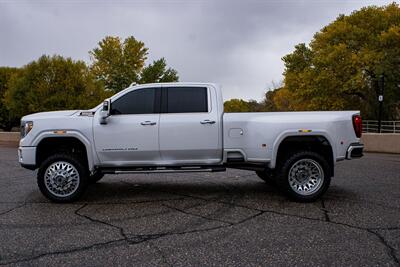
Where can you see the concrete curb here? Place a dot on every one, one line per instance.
(9, 139)
(384, 143)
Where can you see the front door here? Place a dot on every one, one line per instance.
(130, 136)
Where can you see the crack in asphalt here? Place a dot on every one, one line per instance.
(120, 229)
(197, 215)
(384, 228)
(12, 209)
(30, 226)
(326, 212)
(61, 252)
(391, 250)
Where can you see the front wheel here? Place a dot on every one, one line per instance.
(62, 178)
(304, 176)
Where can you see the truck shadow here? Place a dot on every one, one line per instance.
(136, 191)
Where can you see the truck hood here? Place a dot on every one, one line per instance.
(51, 114)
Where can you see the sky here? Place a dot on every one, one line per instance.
(237, 44)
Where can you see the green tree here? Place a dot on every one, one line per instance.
(240, 105)
(52, 83)
(7, 120)
(119, 63)
(340, 67)
(158, 72)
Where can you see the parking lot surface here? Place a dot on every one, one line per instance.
(203, 219)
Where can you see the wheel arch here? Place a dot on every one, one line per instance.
(319, 143)
(49, 143)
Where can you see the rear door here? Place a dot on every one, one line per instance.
(190, 125)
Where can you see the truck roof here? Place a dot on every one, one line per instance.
(146, 85)
(175, 83)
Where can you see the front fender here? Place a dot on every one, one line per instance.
(68, 133)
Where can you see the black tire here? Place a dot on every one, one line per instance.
(267, 176)
(284, 167)
(97, 176)
(80, 187)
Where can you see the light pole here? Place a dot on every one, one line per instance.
(380, 99)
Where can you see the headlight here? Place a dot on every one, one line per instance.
(26, 127)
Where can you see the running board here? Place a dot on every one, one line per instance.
(162, 170)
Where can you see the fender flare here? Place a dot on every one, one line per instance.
(290, 133)
(68, 133)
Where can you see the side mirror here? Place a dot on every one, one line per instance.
(105, 111)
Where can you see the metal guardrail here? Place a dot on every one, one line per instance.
(371, 126)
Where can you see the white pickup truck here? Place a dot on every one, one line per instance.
(182, 127)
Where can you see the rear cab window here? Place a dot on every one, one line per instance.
(185, 99)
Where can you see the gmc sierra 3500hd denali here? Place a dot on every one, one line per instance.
(182, 127)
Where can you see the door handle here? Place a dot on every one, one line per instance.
(207, 122)
(148, 123)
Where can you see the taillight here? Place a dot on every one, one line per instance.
(357, 124)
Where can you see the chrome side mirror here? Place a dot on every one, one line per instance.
(105, 111)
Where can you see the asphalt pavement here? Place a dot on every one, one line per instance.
(203, 219)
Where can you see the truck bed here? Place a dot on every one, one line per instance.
(257, 135)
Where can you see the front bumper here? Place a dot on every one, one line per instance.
(354, 151)
(27, 157)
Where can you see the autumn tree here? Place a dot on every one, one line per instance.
(282, 99)
(118, 63)
(340, 67)
(240, 105)
(7, 120)
(236, 105)
(268, 103)
(52, 83)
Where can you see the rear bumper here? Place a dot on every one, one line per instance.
(27, 156)
(355, 151)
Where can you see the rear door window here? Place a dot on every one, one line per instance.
(185, 100)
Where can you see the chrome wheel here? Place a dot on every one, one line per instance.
(61, 179)
(306, 177)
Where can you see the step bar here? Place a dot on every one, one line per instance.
(162, 170)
